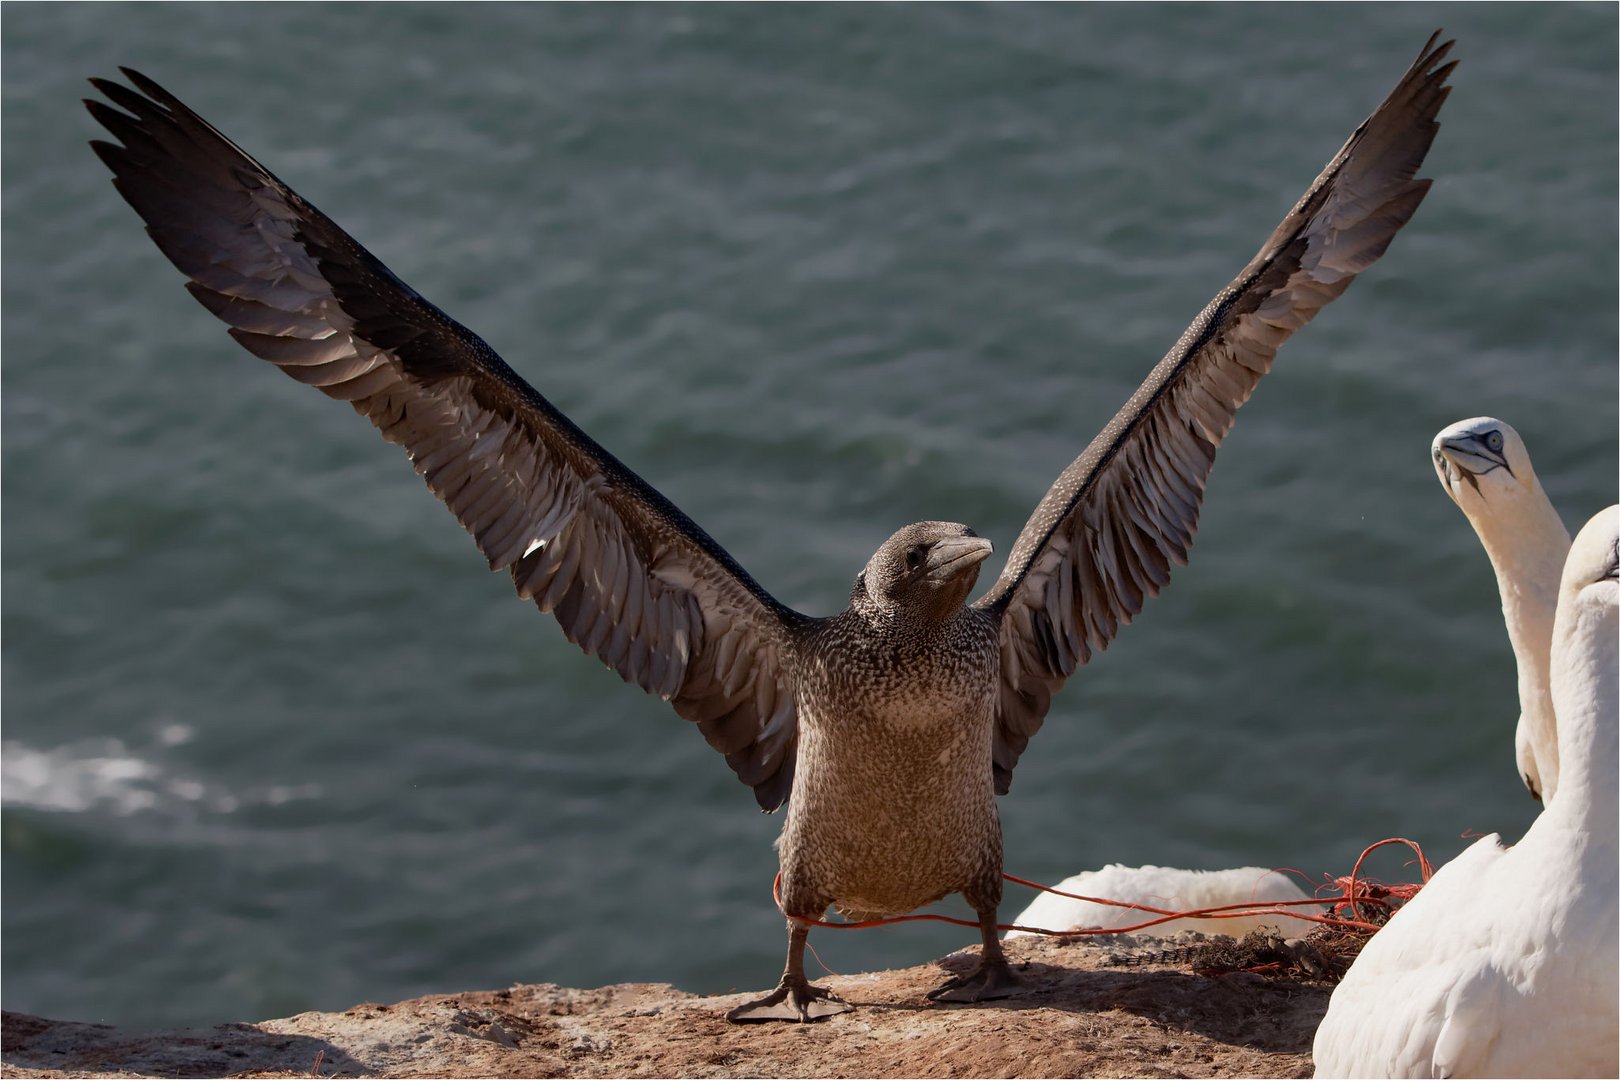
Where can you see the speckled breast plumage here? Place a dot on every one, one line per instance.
(894, 804)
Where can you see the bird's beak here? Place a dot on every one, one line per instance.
(949, 558)
(1466, 457)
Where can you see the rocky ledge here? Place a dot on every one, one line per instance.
(1089, 1017)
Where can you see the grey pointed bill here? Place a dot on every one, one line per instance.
(1463, 457)
(949, 558)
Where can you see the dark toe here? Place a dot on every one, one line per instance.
(792, 1005)
(987, 982)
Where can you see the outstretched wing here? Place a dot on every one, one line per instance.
(1103, 538)
(631, 579)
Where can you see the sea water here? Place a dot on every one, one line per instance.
(274, 740)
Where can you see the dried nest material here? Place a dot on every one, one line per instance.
(1177, 951)
(1336, 949)
(1369, 901)
(1262, 952)
(1324, 955)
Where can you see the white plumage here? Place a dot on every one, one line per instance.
(1505, 964)
(1484, 466)
(1164, 887)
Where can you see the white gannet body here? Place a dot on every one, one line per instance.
(1506, 963)
(1163, 887)
(1483, 465)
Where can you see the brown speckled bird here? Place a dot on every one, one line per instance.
(893, 725)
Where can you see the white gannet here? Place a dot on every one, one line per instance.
(1164, 887)
(1506, 963)
(1484, 467)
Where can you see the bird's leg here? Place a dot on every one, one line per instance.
(794, 998)
(992, 979)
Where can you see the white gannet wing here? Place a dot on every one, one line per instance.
(1387, 1015)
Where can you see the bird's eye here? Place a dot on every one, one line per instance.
(914, 556)
(1493, 439)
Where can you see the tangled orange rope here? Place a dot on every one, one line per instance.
(1354, 891)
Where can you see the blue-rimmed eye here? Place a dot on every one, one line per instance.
(1493, 439)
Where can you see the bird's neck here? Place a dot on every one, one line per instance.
(1588, 727)
(1527, 548)
(916, 615)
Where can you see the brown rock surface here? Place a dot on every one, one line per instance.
(1087, 1018)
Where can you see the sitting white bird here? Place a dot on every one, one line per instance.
(1505, 964)
(1484, 467)
(1168, 888)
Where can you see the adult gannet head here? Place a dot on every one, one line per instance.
(1591, 582)
(1483, 460)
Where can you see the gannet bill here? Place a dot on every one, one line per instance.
(894, 724)
(1484, 466)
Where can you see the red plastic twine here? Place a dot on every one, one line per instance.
(1348, 897)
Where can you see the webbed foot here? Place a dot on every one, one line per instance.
(796, 1002)
(992, 979)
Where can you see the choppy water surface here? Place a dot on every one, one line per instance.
(273, 741)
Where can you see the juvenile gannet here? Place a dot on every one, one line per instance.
(1505, 963)
(894, 724)
(1484, 467)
